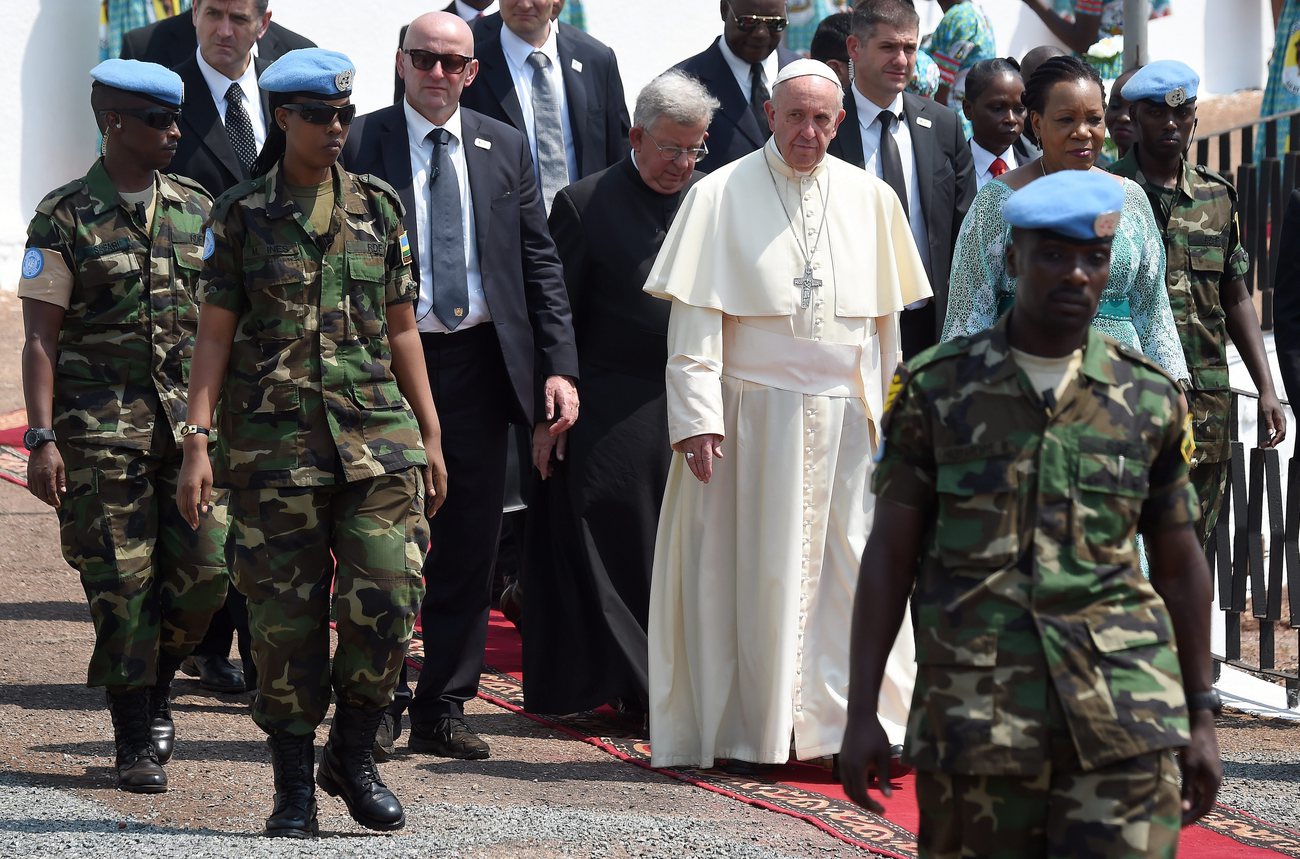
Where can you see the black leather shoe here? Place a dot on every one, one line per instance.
(138, 770)
(294, 814)
(390, 728)
(215, 673)
(348, 771)
(743, 769)
(449, 737)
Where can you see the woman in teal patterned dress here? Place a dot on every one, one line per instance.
(1066, 108)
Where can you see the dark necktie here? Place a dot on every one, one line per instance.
(446, 236)
(891, 165)
(240, 128)
(997, 168)
(758, 96)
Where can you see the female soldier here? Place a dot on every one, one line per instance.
(308, 336)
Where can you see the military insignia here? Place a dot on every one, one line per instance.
(1105, 223)
(33, 263)
(895, 387)
(460, 311)
(1188, 446)
(209, 243)
(343, 80)
(405, 244)
(1176, 96)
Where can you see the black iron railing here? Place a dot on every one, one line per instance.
(1249, 580)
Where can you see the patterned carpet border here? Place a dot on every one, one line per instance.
(13, 464)
(838, 818)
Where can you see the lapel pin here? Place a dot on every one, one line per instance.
(923, 122)
(482, 143)
(575, 65)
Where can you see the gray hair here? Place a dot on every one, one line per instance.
(678, 97)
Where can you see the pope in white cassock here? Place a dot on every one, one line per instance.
(787, 270)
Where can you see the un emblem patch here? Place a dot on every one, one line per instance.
(33, 263)
(209, 243)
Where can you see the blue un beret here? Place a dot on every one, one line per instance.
(310, 71)
(147, 79)
(1168, 81)
(1081, 205)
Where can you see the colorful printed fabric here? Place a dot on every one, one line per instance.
(804, 16)
(963, 38)
(116, 17)
(1282, 92)
(1110, 62)
(925, 77)
(573, 15)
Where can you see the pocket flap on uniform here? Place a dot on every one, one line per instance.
(957, 647)
(278, 264)
(1113, 635)
(1210, 378)
(1112, 466)
(189, 256)
(377, 396)
(1206, 253)
(976, 469)
(365, 261)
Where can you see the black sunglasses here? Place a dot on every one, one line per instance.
(452, 64)
(748, 23)
(323, 114)
(161, 118)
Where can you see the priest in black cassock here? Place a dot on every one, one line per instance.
(586, 587)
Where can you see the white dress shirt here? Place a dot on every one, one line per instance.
(517, 52)
(984, 160)
(421, 154)
(219, 85)
(740, 68)
(469, 13)
(867, 113)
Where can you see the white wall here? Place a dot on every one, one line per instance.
(49, 136)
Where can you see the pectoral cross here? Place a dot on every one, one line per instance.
(806, 284)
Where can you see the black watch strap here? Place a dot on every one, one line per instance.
(1208, 700)
(34, 437)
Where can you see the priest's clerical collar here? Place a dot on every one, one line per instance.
(778, 163)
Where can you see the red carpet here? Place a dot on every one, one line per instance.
(807, 792)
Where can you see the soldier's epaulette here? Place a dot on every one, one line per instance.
(375, 182)
(51, 201)
(222, 206)
(1206, 172)
(1139, 357)
(188, 183)
(938, 352)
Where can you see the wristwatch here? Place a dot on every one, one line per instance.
(195, 429)
(37, 436)
(1205, 701)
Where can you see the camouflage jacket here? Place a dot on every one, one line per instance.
(128, 331)
(1030, 577)
(1203, 252)
(309, 396)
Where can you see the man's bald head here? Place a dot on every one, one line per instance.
(435, 41)
(804, 114)
(1036, 57)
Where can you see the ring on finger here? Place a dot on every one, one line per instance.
(690, 455)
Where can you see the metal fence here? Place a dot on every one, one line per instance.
(1254, 551)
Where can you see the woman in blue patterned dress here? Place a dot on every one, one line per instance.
(1066, 109)
(1081, 23)
(963, 38)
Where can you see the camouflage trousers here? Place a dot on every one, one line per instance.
(1127, 810)
(288, 546)
(1209, 479)
(152, 583)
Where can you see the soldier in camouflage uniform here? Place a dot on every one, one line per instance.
(326, 429)
(1018, 464)
(1205, 267)
(109, 305)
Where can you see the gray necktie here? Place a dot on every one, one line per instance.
(552, 165)
(446, 236)
(240, 128)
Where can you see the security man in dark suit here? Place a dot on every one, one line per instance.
(923, 153)
(498, 343)
(738, 70)
(557, 85)
(171, 41)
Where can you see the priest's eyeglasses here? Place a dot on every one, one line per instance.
(748, 23)
(452, 64)
(672, 153)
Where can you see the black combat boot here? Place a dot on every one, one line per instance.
(138, 770)
(294, 814)
(162, 730)
(348, 770)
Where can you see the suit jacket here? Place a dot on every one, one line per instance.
(592, 85)
(204, 152)
(1286, 300)
(944, 169)
(171, 41)
(735, 131)
(523, 280)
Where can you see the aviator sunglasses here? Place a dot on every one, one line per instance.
(323, 114)
(160, 118)
(749, 23)
(452, 64)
